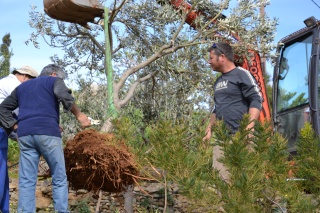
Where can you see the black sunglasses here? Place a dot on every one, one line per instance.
(215, 46)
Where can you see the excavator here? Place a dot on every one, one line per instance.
(296, 87)
(296, 83)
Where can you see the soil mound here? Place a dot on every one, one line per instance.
(98, 161)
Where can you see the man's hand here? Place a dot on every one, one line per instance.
(15, 127)
(84, 120)
(208, 134)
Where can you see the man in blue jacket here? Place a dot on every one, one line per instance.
(39, 133)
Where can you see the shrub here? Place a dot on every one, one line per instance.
(259, 176)
(13, 151)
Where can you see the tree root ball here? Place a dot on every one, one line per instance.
(98, 161)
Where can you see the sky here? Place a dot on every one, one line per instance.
(14, 18)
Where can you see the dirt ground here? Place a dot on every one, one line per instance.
(98, 161)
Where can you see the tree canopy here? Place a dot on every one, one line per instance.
(155, 53)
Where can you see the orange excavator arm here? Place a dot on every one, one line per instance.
(254, 65)
(186, 7)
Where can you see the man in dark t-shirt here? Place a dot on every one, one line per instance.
(235, 93)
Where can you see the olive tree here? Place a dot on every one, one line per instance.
(158, 54)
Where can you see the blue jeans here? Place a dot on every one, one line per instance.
(4, 178)
(31, 148)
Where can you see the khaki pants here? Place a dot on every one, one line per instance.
(216, 164)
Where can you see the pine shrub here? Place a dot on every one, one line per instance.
(258, 175)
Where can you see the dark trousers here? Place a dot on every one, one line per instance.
(4, 177)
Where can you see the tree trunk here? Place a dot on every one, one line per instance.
(107, 126)
(128, 199)
(128, 195)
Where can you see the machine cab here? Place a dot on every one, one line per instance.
(296, 83)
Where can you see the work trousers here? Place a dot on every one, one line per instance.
(220, 167)
(4, 177)
(31, 148)
(217, 165)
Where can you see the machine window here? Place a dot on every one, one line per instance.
(293, 74)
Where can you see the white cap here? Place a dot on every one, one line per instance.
(27, 70)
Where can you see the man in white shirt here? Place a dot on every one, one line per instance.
(18, 76)
(7, 85)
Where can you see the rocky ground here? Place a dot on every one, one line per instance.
(148, 197)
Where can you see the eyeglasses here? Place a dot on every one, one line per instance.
(215, 46)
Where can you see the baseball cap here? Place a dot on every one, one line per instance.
(27, 70)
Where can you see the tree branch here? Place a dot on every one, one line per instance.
(101, 48)
(130, 93)
(118, 48)
(134, 69)
(116, 10)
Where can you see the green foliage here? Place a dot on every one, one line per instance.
(92, 100)
(5, 55)
(258, 165)
(287, 101)
(82, 207)
(13, 151)
(171, 141)
(258, 168)
(146, 206)
(176, 149)
(300, 99)
(307, 160)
